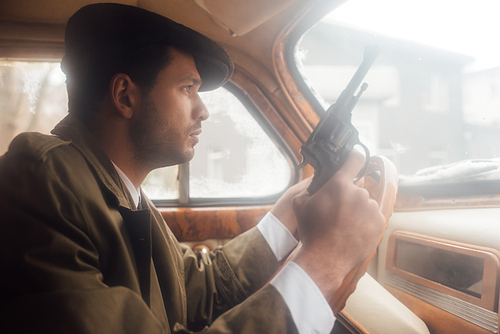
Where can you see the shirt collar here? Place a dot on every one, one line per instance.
(134, 192)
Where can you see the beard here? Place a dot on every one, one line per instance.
(156, 143)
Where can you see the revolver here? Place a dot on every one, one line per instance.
(328, 146)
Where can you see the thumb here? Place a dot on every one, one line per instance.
(299, 200)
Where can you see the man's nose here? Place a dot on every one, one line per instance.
(201, 110)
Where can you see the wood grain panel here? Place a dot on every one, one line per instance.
(199, 224)
(302, 118)
(268, 110)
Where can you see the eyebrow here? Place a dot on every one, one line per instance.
(191, 79)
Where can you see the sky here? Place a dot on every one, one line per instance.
(470, 27)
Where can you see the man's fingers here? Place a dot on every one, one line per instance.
(360, 183)
(353, 165)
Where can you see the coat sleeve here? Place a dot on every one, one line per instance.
(263, 312)
(225, 289)
(50, 280)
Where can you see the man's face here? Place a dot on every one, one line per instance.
(166, 129)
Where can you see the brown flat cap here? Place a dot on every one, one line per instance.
(101, 34)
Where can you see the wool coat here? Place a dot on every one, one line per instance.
(77, 256)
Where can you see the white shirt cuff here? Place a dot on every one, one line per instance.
(309, 308)
(279, 238)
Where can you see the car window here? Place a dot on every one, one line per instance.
(434, 91)
(235, 158)
(32, 98)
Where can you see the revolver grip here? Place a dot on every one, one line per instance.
(321, 177)
(324, 172)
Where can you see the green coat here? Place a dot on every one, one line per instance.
(77, 257)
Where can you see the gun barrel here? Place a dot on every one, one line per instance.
(334, 136)
(369, 56)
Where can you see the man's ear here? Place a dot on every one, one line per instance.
(124, 94)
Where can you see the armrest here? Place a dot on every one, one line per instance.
(372, 309)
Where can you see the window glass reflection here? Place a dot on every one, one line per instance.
(235, 157)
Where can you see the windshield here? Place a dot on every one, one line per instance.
(434, 91)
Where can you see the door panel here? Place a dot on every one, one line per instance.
(442, 247)
(465, 272)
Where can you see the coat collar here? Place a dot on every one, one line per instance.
(73, 129)
(139, 223)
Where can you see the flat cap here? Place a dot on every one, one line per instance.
(100, 35)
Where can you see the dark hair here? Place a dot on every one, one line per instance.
(86, 91)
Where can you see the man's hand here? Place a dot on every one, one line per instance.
(339, 226)
(283, 208)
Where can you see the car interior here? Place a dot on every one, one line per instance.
(437, 268)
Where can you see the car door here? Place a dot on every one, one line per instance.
(430, 107)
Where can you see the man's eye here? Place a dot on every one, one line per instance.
(188, 88)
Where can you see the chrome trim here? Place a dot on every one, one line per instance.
(477, 315)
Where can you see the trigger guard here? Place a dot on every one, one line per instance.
(367, 162)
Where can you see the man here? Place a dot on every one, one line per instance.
(83, 250)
